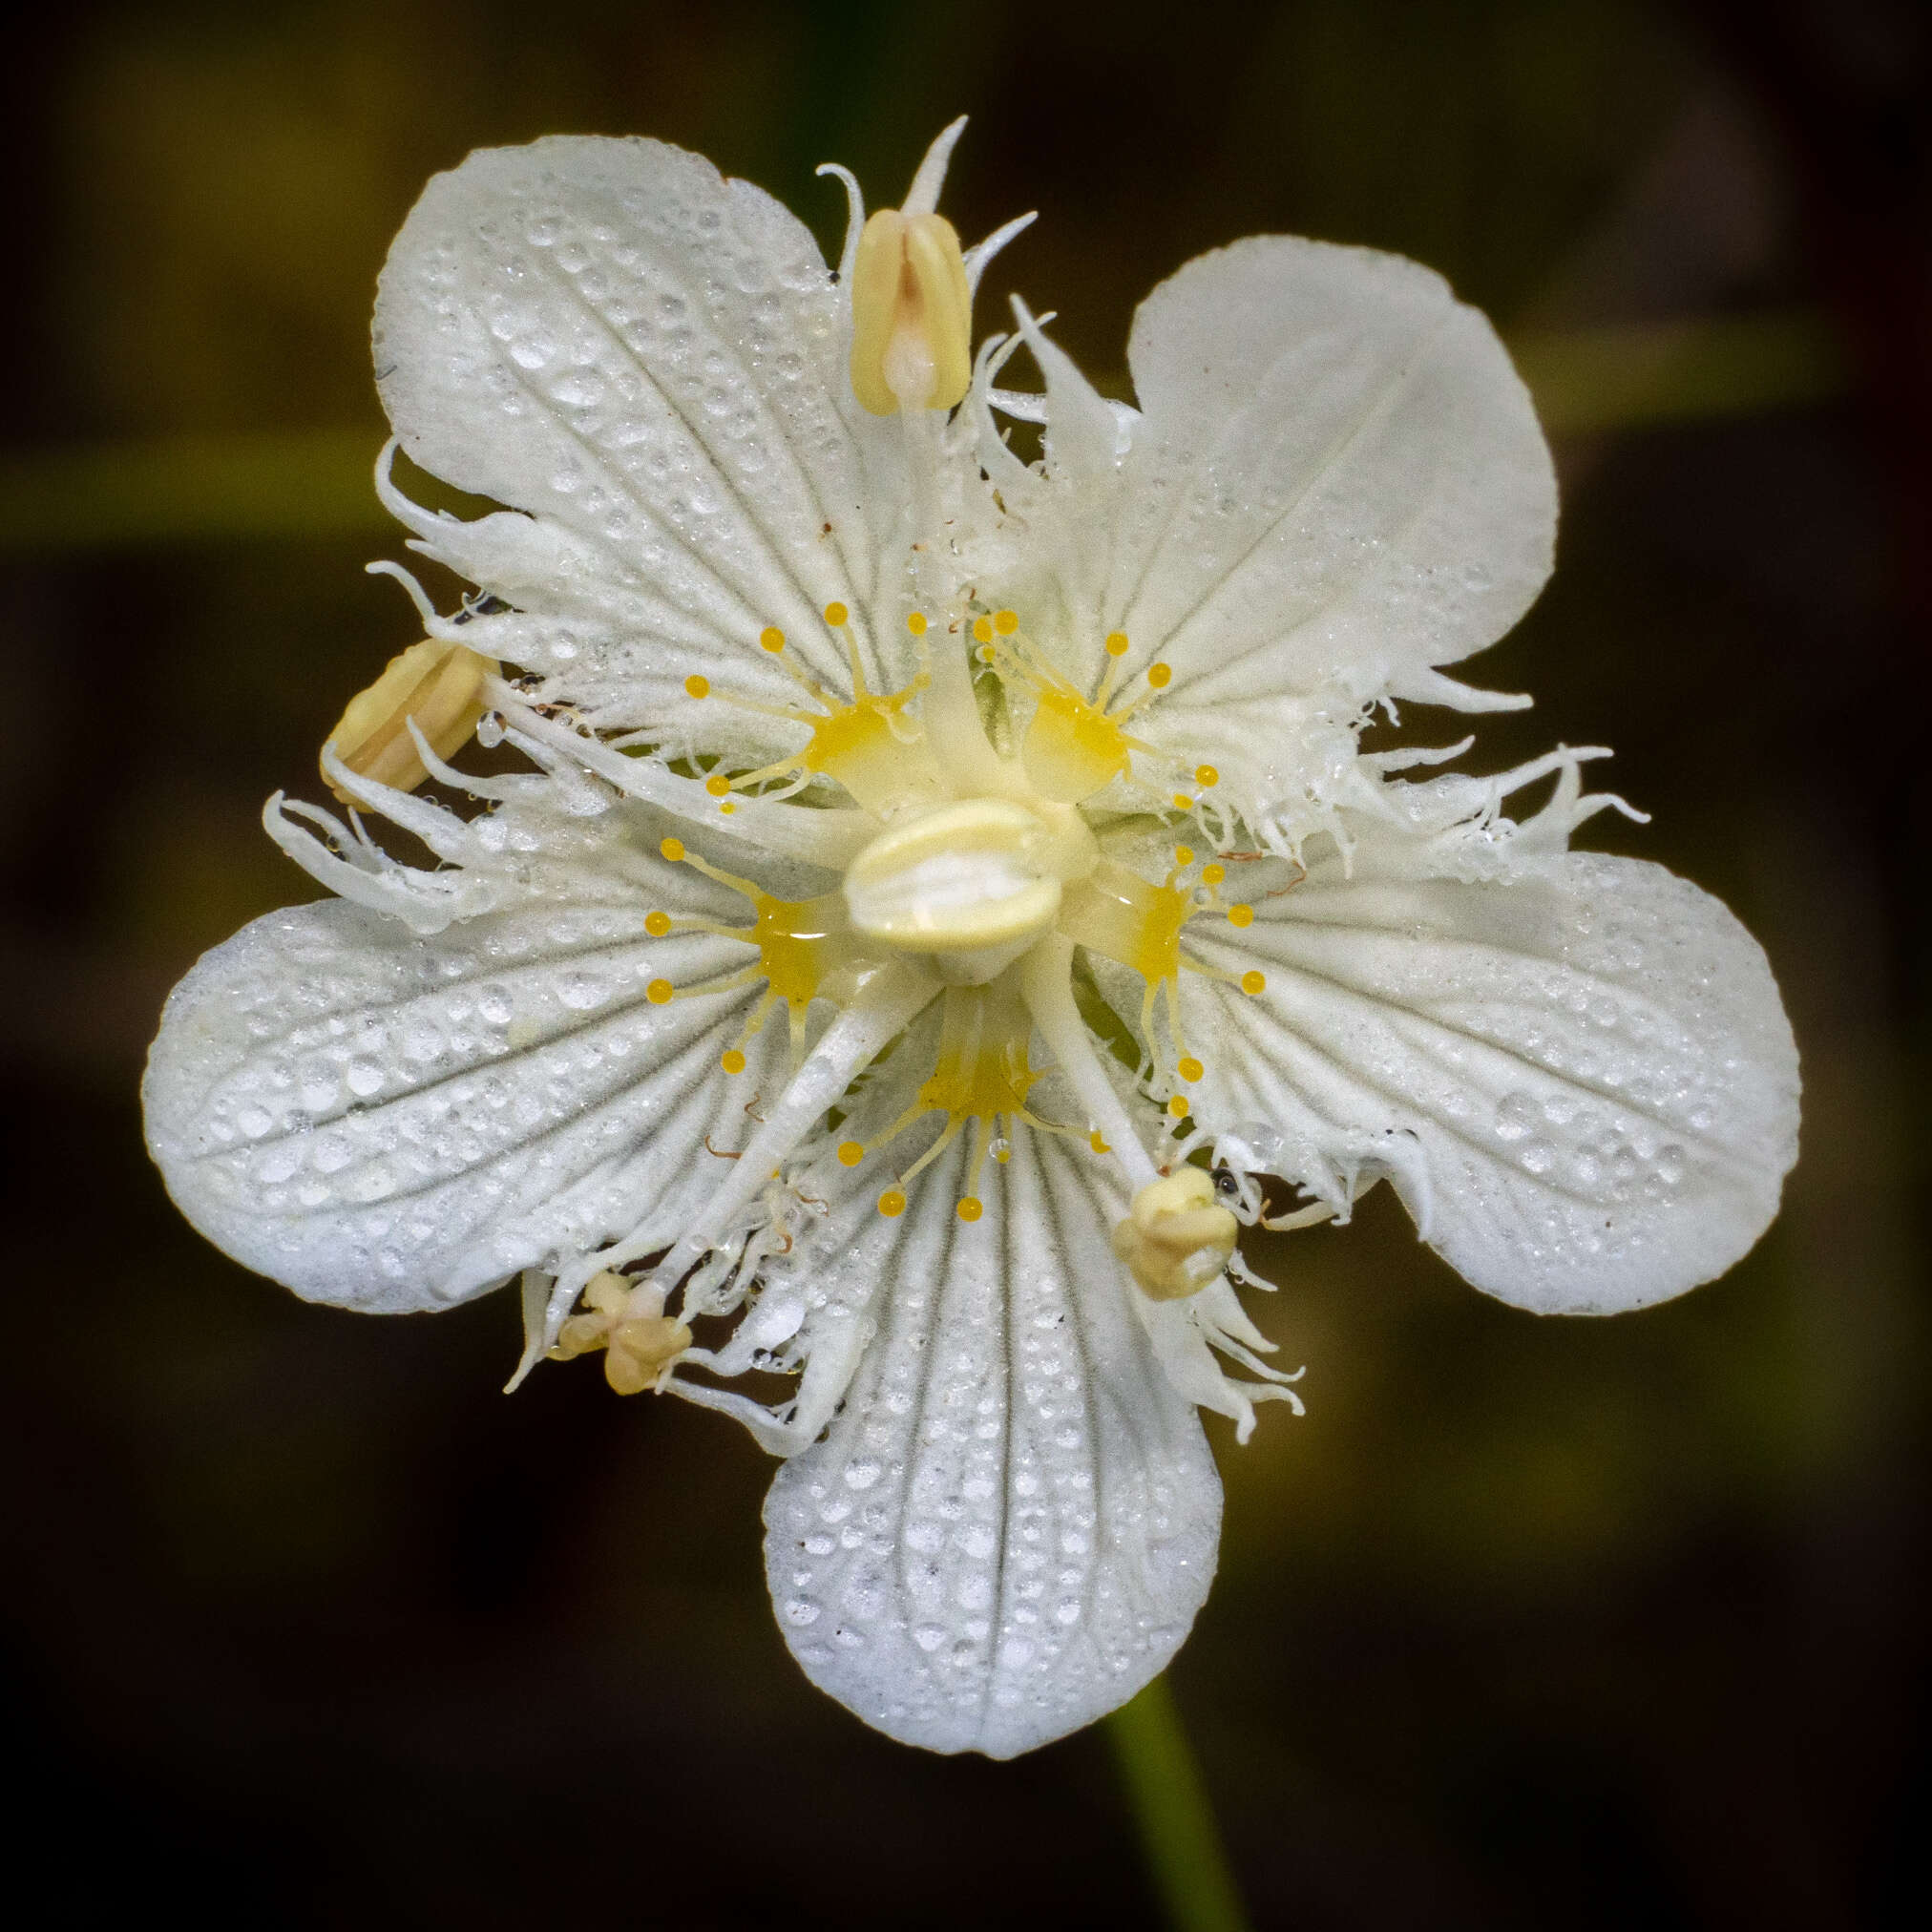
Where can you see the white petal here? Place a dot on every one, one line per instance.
(1338, 483)
(1012, 1519)
(648, 359)
(1578, 1074)
(394, 1121)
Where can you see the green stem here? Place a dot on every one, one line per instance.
(1178, 1833)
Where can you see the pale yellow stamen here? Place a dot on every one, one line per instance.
(911, 315)
(436, 682)
(627, 1320)
(1177, 1236)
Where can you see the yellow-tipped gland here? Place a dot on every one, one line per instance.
(1097, 1140)
(732, 1060)
(1212, 875)
(657, 924)
(970, 1208)
(892, 1204)
(1190, 1069)
(1184, 856)
(851, 1153)
(673, 848)
(627, 1320)
(1117, 643)
(718, 785)
(836, 614)
(1205, 775)
(1006, 622)
(1181, 802)
(1178, 1106)
(915, 623)
(1241, 915)
(696, 686)
(911, 315)
(660, 992)
(1160, 676)
(1177, 1236)
(772, 639)
(982, 630)
(1252, 983)
(440, 685)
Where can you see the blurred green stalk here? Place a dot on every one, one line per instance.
(1178, 1833)
(315, 483)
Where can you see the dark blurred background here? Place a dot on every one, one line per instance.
(1530, 1622)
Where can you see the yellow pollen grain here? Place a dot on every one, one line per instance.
(696, 686)
(1117, 643)
(916, 623)
(851, 1153)
(835, 614)
(1098, 1143)
(1212, 875)
(658, 992)
(1006, 622)
(970, 1209)
(1191, 1068)
(1241, 915)
(1160, 676)
(657, 924)
(1178, 1107)
(1184, 856)
(732, 1060)
(982, 629)
(673, 848)
(1253, 982)
(772, 638)
(1002, 1155)
(892, 1204)
(717, 785)
(1206, 774)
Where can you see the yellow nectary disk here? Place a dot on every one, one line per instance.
(1177, 1236)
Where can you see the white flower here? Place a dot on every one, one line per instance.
(930, 860)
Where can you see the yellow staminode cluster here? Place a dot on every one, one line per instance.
(861, 744)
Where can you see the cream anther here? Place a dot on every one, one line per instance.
(967, 877)
(628, 1320)
(440, 685)
(911, 315)
(1177, 1236)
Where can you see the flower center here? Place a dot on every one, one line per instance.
(971, 885)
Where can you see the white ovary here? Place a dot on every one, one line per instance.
(922, 862)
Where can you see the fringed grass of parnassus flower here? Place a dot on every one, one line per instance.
(942, 887)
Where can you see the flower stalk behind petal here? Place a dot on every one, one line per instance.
(1176, 1822)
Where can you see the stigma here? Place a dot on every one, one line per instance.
(970, 885)
(911, 315)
